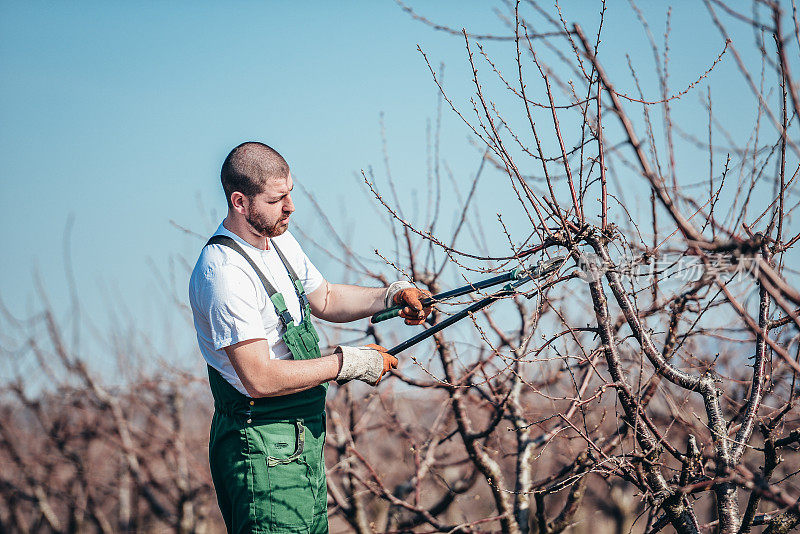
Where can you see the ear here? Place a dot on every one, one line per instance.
(239, 202)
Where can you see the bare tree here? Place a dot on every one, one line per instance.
(82, 452)
(649, 383)
(647, 378)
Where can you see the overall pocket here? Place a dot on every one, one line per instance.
(292, 492)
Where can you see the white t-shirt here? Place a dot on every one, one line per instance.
(229, 302)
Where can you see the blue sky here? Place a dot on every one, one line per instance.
(120, 114)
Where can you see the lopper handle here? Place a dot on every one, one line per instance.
(394, 311)
(542, 269)
(386, 314)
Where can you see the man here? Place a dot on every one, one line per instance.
(252, 292)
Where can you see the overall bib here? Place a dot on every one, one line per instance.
(266, 454)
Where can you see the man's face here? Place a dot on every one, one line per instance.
(268, 212)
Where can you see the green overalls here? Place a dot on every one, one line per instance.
(266, 454)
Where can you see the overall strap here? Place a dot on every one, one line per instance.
(298, 285)
(276, 298)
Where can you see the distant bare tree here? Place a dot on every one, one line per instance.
(81, 456)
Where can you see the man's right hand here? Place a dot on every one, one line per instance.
(368, 363)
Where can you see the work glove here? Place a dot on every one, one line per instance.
(367, 364)
(410, 297)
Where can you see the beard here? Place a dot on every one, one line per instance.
(265, 227)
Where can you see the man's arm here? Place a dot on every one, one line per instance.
(340, 303)
(265, 377)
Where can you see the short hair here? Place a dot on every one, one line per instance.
(248, 167)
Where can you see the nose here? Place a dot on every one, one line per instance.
(288, 205)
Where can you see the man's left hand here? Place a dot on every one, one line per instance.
(411, 300)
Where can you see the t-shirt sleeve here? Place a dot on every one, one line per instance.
(230, 299)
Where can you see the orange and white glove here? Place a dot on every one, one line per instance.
(410, 297)
(368, 363)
